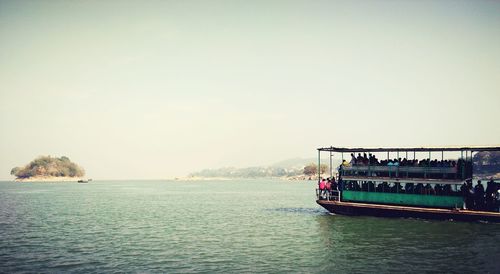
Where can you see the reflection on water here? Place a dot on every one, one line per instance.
(357, 244)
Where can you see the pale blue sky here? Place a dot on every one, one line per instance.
(156, 89)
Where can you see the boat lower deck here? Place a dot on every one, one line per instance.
(349, 208)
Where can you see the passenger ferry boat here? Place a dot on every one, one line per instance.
(428, 189)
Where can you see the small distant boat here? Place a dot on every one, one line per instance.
(83, 181)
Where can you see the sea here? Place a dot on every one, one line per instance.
(221, 226)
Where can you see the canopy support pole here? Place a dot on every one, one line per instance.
(331, 170)
(319, 165)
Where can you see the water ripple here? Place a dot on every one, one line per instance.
(233, 227)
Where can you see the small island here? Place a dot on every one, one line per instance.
(49, 169)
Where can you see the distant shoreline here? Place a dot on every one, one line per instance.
(284, 178)
(48, 179)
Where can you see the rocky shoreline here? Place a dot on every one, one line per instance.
(48, 179)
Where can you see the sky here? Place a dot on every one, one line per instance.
(158, 89)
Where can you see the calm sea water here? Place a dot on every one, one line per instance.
(221, 226)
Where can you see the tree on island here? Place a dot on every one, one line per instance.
(312, 169)
(487, 163)
(47, 166)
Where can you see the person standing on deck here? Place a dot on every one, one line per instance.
(322, 186)
(479, 196)
(464, 191)
(328, 188)
(353, 160)
(334, 184)
(490, 195)
(469, 198)
(497, 204)
(359, 159)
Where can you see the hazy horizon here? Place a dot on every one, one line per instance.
(158, 89)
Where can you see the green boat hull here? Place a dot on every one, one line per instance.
(433, 201)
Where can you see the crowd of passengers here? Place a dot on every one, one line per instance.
(476, 198)
(371, 160)
(409, 188)
(327, 185)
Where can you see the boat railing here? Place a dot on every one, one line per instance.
(329, 195)
(403, 180)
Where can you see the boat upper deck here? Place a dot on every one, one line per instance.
(412, 149)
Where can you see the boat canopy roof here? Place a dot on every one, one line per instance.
(416, 149)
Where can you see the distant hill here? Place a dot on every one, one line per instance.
(487, 164)
(47, 166)
(294, 162)
(286, 168)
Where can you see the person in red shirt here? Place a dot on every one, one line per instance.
(322, 186)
